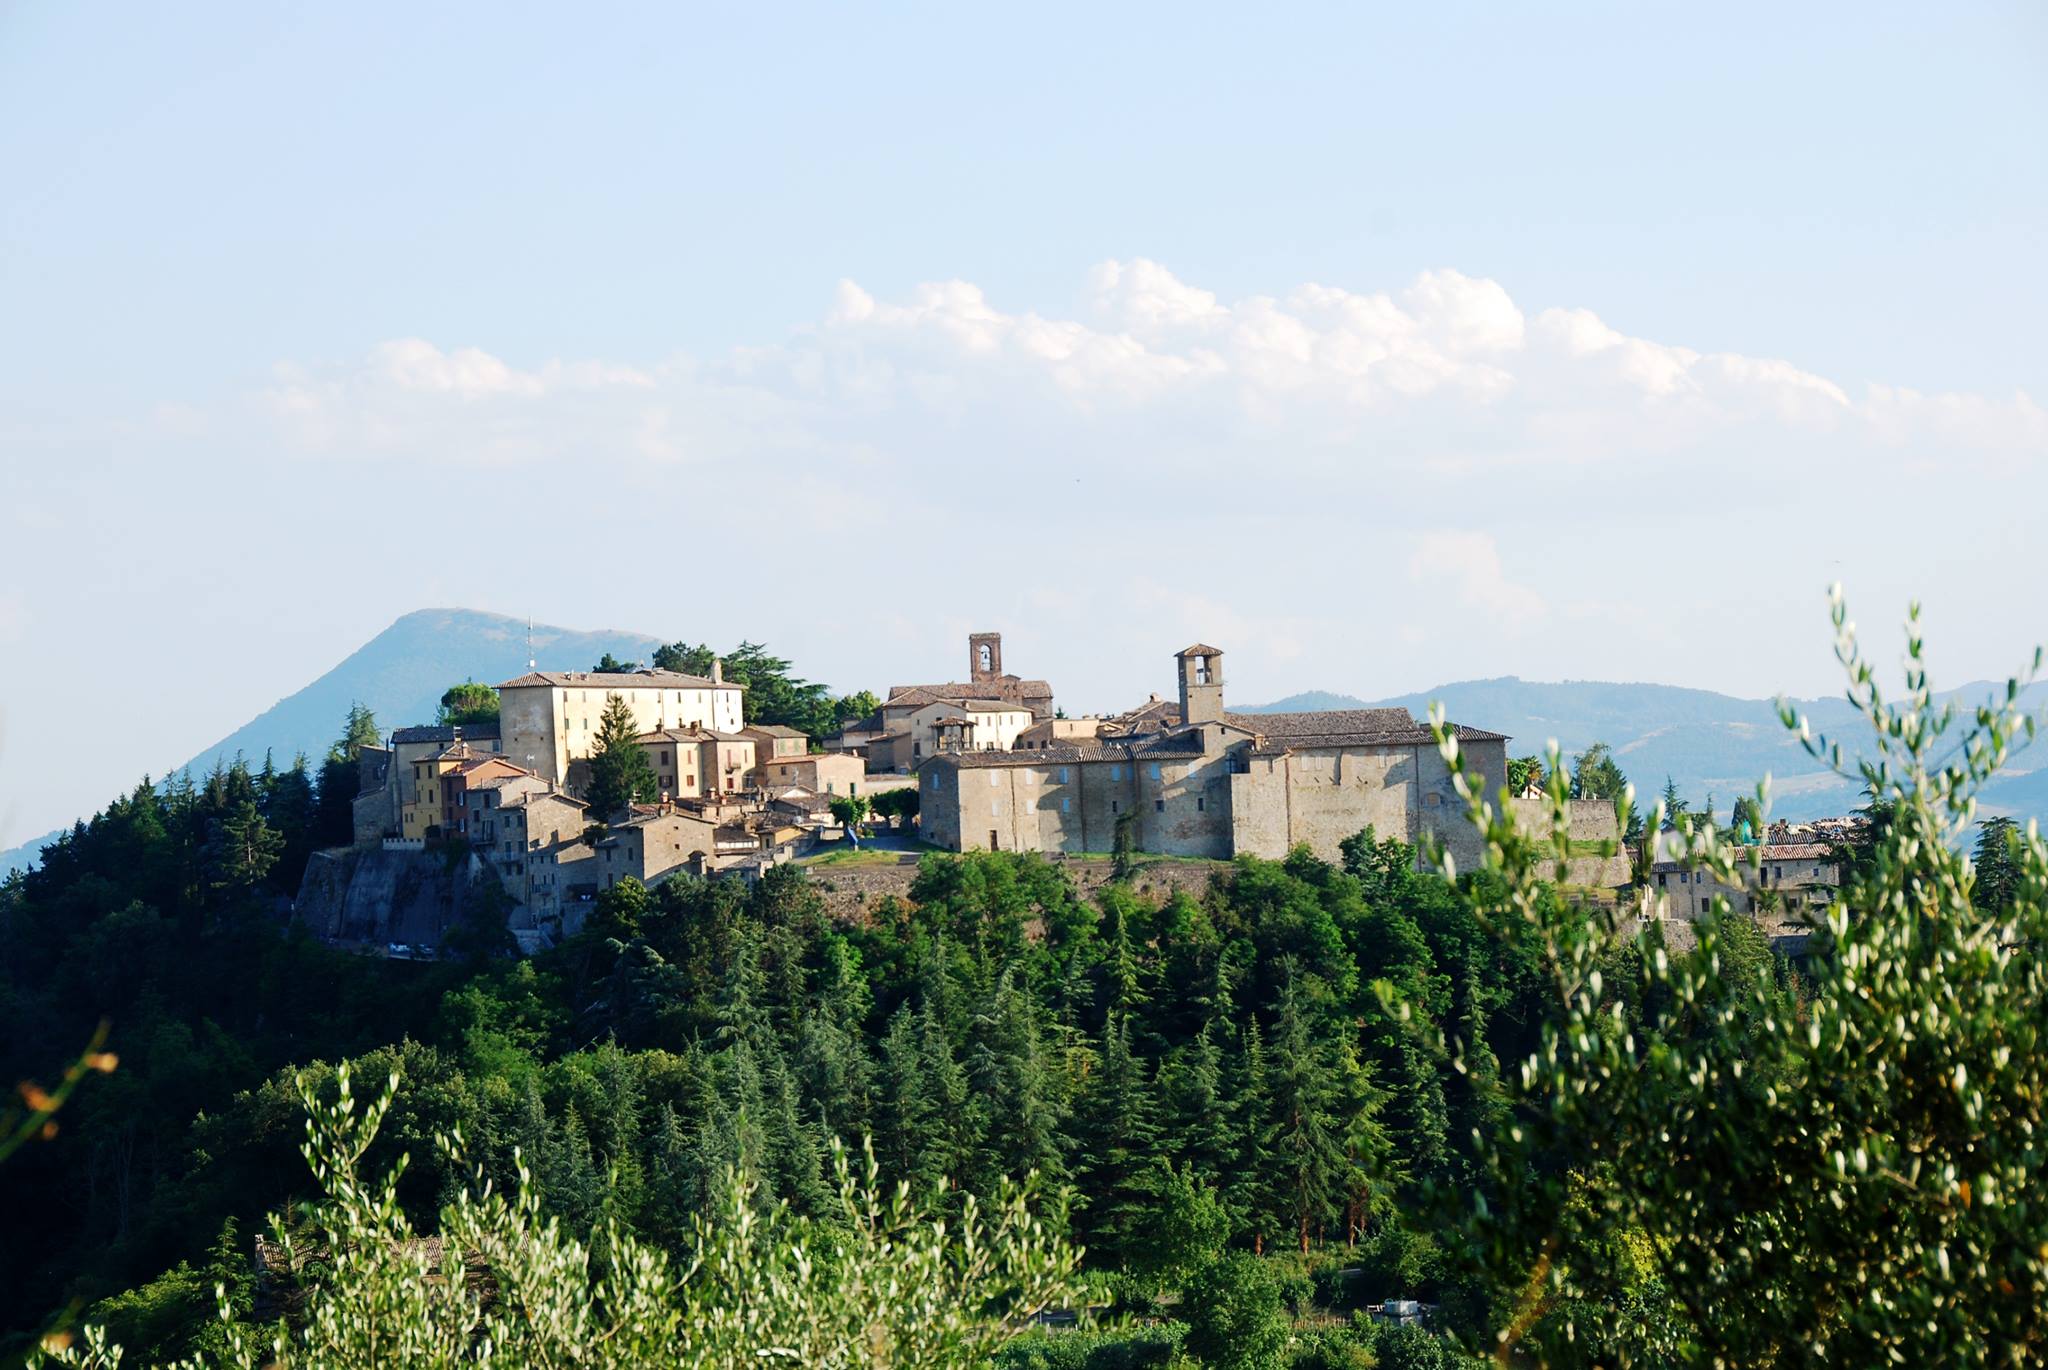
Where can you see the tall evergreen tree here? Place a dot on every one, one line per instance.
(1998, 874)
(620, 773)
(1116, 1134)
(1307, 1140)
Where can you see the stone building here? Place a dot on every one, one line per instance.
(1792, 880)
(548, 719)
(1052, 732)
(693, 762)
(650, 847)
(1215, 784)
(533, 839)
(828, 773)
(388, 780)
(985, 680)
(773, 740)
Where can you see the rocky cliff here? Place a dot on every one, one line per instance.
(371, 895)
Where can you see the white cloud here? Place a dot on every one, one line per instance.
(1468, 564)
(1446, 375)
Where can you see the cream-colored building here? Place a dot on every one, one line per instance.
(547, 719)
(691, 763)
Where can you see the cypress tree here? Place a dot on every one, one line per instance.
(1307, 1139)
(1117, 1135)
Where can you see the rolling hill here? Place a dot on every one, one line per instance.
(1708, 743)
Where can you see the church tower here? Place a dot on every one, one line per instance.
(1201, 684)
(984, 657)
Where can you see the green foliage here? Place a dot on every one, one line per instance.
(1234, 1315)
(1524, 772)
(502, 1285)
(2000, 862)
(1741, 1172)
(1746, 820)
(620, 773)
(849, 809)
(774, 695)
(611, 665)
(903, 802)
(468, 702)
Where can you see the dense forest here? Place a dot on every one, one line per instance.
(1316, 1086)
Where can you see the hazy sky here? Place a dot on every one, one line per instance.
(1381, 346)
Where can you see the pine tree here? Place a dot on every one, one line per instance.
(620, 773)
(908, 1127)
(1998, 874)
(243, 848)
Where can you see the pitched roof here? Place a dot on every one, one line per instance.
(618, 680)
(1200, 649)
(691, 735)
(999, 687)
(1349, 728)
(445, 732)
(776, 730)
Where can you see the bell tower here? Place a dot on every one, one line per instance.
(984, 657)
(1201, 684)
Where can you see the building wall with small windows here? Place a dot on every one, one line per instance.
(1223, 785)
(548, 719)
(1788, 882)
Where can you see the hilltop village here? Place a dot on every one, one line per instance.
(987, 763)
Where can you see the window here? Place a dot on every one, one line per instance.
(1116, 773)
(1155, 770)
(1063, 775)
(1159, 805)
(935, 781)
(1201, 804)
(1066, 806)
(1031, 806)
(1031, 777)
(993, 780)
(1114, 807)
(995, 808)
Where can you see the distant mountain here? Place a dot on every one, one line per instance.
(400, 674)
(1709, 743)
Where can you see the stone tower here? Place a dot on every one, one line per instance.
(1201, 684)
(984, 657)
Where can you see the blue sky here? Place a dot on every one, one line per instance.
(1403, 344)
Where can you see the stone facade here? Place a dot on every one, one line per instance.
(1217, 786)
(829, 773)
(548, 719)
(1792, 880)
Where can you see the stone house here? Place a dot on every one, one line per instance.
(388, 781)
(775, 740)
(549, 719)
(651, 846)
(1052, 732)
(1792, 879)
(534, 841)
(1216, 785)
(693, 762)
(437, 784)
(828, 773)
